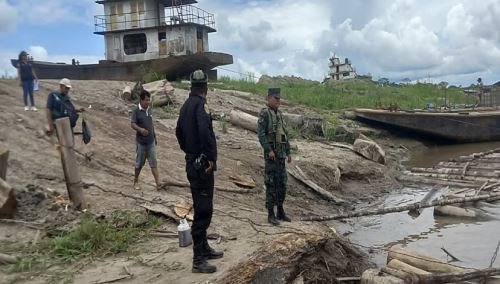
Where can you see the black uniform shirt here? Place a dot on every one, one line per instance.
(194, 131)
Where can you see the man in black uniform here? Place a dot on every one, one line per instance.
(196, 138)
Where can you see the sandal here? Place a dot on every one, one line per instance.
(136, 186)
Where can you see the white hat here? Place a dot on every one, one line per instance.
(66, 82)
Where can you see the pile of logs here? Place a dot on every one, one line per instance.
(465, 177)
(405, 266)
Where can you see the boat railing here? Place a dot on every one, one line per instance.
(173, 16)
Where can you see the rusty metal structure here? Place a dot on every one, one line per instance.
(167, 37)
(472, 125)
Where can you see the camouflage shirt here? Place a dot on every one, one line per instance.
(272, 133)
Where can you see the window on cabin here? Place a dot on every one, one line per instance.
(135, 43)
(345, 74)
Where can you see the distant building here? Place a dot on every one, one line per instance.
(341, 70)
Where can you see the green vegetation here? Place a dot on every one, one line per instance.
(90, 238)
(356, 93)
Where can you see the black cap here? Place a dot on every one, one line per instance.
(198, 77)
(274, 92)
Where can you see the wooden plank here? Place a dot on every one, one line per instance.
(69, 163)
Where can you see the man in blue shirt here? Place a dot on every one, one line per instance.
(59, 105)
(142, 123)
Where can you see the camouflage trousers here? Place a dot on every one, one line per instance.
(275, 180)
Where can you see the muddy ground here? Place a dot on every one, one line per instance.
(36, 174)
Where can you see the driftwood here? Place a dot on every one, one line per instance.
(373, 276)
(455, 211)
(452, 177)
(243, 180)
(162, 210)
(220, 188)
(420, 261)
(69, 163)
(300, 176)
(305, 125)
(453, 258)
(412, 206)
(399, 265)
(437, 181)
(243, 120)
(7, 259)
(407, 277)
(457, 173)
(459, 276)
(282, 258)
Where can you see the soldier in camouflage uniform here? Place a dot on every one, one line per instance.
(274, 140)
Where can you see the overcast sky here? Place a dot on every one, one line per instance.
(447, 40)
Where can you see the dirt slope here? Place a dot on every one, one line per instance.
(34, 163)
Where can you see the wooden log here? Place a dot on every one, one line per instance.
(4, 158)
(305, 125)
(301, 176)
(160, 102)
(373, 276)
(464, 170)
(407, 277)
(8, 202)
(399, 265)
(421, 261)
(455, 211)
(451, 177)
(220, 188)
(7, 259)
(243, 120)
(436, 181)
(457, 173)
(456, 277)
(69, 163)
(412, 206)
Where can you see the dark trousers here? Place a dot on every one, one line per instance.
(28, 92)
(275, 179)
(202, 191)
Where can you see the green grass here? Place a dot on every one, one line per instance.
(90, 238)
(355, 94)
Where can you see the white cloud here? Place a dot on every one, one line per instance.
(8, 17)
(58, 11)
(38, 53)
(395, 39)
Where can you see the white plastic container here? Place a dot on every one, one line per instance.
(184, 231)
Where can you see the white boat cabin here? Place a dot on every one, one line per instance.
(138, 30)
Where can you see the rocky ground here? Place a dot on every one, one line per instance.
(106, 166)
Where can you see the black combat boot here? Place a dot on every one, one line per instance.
(281, 214)
(271, 218)
(210, 253)
(200, 264)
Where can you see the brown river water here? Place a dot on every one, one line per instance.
(473, 242)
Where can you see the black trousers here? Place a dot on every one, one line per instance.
(202, 191)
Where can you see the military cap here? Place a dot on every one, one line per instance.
(275, 92)
(198, 77)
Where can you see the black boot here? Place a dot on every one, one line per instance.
(271, 218)
(281, 214)
(200, 264)
(210, 253)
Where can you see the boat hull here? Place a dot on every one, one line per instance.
(173, 67)
(467, 126)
